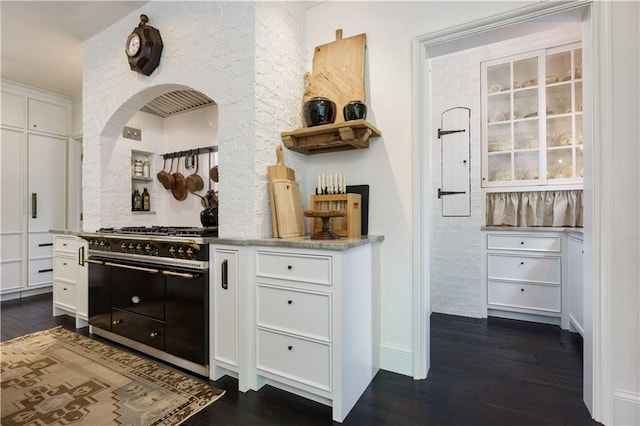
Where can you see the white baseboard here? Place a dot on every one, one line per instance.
(398, 359)
(626, 408)
(25, 293)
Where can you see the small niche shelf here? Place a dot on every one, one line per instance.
(341, 136)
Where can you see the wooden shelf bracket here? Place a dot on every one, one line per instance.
(334, 137)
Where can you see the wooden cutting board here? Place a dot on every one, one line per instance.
(288, 208)
(278, 171)
(338, 72)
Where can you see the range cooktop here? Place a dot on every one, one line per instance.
(177, 231)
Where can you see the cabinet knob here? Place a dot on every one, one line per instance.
(64, 263)
(116, 322)
(290, 302)
(522, 263)
(522, 289)
(135, 299)
(521, 242)
(290, 347)
(64, 288)
(289, 267)
(154, 334)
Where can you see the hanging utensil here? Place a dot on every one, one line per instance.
(179, 189)
(194, 182)
(166, 179)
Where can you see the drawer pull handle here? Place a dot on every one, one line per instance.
(118, 321)
(41, 271)
(522, 263)
(290, 347)
(225, 274)
(64, 263)
(522, 289)
(290, 302)
(289, 267)
(64, 289)
(521, 242)
(45, 244)
(135, 299)
(154, 334)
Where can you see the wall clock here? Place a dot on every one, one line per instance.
(144, 47)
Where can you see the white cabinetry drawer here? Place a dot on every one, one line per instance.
(285, 266)
(64, 243)
(40, 271)
(297, 359)
(526, 296)
(524, 268)
(64, 268)
(294, 311)
(542, 243)
(64, 294)
(40, 245)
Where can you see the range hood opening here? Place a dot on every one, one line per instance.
(177, 102)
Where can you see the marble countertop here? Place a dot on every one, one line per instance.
(297, 242)
(579, 231)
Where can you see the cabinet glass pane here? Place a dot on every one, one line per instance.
(526, 134)
(499, 167)
(526, 165)
(499, 108)
(577, 64)
(559, 99)
(499, 137)
(559, 131)
(559, 164)
(579, 170)
(498, 78)
(579, 96)
(525, 103)
(525, 73)
(558, 67)
(578, 130)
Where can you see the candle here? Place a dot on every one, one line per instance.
(319, 186)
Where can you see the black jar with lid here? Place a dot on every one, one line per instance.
(354, 110)
(317, 111)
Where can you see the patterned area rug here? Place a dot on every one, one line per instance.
(58, 377)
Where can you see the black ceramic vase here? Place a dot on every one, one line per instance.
(209, 217)
(317, 111)
(354, 110)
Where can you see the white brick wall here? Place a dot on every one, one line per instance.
(456, 283)
(219, 49)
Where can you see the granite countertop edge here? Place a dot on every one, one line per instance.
(568, 230)
(296, 242)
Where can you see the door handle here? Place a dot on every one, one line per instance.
(81, 256)
(178, 274)
(136, 268)
(34, 205)
(225, 274)
(442, 193)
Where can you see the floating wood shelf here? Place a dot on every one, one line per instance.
(333, 137)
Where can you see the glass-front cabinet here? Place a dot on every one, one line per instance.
(532, 118)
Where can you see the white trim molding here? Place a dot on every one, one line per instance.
(626, 408)
(396, 358)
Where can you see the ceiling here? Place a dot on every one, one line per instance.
(41, 41)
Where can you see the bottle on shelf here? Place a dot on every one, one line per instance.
(137, 168)
(137, 200)
(146, 200)
(146, 168)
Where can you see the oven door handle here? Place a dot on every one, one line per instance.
(97, 262)
(179, 274)
(137, 268)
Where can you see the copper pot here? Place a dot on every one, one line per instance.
(194, 182)
(166, 179)
(179, 189)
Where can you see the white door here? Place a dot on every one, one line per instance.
(455, 138)
(12, 223)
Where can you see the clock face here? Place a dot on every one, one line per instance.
(133, 44)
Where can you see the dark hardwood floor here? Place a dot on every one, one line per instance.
(483, 372)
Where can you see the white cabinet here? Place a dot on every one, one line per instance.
(525, 276)
(314, 323)
(576, 292)
(532, 119)
(33, 157)
(47, 117)
(70, 278)
(225, 311)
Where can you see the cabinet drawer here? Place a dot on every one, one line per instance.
(65, 268)
(139, 328)
(64, 243)
(299, 312)
(526, 296)
(296, 359)
(40, 271)
(64, 294)
(285, 266)
(508, 241)
(40, 245)
(524, 268)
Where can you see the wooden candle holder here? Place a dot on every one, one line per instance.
(348, 226)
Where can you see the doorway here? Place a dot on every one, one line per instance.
(481, 33)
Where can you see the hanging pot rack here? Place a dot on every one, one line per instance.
(194, 151)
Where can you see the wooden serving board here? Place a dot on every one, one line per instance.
(288, 208)
(278, 171)
(338, 72)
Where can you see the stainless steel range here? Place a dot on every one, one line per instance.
(149, 290)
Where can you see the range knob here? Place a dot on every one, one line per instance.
(180, 251)
(147, 248)
(102, 244)
(139, 247)
(172, 251)
(189, 253)
(123, 246)
(130, 246)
